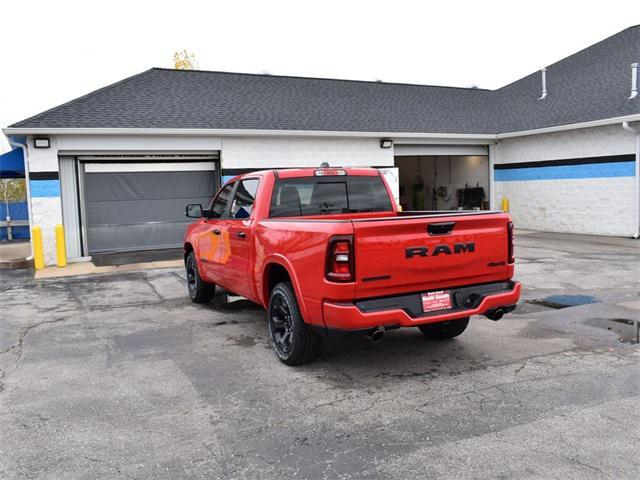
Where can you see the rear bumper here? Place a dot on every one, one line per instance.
(406, 310)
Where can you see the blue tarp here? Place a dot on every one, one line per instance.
(17, 211)
(12, 164)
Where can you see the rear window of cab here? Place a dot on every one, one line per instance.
(326, 195)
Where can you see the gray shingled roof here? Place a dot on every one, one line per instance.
(589, 85)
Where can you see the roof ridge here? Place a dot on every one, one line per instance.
(82, 97)
(300, 77)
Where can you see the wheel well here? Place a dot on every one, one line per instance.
(273, 275)
(188, 248)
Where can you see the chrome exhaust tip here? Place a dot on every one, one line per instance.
(495, 315)
(376, 334)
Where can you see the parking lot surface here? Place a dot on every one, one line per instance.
(120, 376)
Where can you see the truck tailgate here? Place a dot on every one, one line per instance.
(430, 252)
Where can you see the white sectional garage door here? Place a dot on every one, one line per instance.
(131, 206)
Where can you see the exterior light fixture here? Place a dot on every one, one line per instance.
(386, 143)
(41, 142)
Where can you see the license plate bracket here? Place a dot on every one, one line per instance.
(434, 301)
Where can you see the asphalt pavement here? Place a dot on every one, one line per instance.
(121, 376)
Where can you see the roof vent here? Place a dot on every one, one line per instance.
(634, 80)
(544, 83)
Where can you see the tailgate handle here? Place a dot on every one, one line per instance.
(441, 228)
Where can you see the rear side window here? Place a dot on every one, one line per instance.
(294, 197)
(244, 198)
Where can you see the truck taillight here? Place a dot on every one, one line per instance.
(511, 245)
(340, 261)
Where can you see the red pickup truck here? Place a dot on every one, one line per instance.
(326, 250)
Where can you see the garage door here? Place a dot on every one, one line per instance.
(140, 206)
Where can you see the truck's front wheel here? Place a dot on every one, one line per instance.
(445, 330)
(293, 341)
(199, 290)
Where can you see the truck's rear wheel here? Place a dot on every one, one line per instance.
(445, 330)
(293, 341)
(199, 290)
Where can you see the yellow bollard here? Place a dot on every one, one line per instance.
(505, 204)
(38, 252)
(61, 249)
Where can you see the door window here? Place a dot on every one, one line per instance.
(244, 198)
(219, 205)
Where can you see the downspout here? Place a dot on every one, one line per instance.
(636, 200)
(26, 179)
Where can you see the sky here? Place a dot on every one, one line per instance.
(55, 51)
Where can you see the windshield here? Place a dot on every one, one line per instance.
(294, 197)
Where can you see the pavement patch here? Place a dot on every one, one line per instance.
(564, 301)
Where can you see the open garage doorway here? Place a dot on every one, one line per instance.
(444, 182)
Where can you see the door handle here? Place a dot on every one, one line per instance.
(242, 234)
(216, 232)
(442, 228)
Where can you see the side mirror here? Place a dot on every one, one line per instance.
(193, 210)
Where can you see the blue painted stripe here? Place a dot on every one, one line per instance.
(561, 172)
(44, 188)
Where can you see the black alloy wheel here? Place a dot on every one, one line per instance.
(293, 340)
(199, 290)
(281, 327)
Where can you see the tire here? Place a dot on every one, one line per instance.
(293, 341)
(445, 330)
(199, 290)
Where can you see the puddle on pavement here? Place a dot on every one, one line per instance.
(623, 327)
(243, 340)
(563, 301)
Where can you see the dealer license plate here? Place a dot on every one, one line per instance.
(433, 301)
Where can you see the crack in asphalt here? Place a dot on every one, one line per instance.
(110, 465)
(17, 347)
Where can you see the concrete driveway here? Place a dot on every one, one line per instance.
(120, 376)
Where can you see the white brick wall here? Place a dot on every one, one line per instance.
(586, 142)
(43, 159)
(278, 152)
(598, 206)
(47, 213)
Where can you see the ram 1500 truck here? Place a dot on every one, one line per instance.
(326, 250)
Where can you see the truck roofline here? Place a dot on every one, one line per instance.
(307, 172)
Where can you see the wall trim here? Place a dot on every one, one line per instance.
(570, 126)
(311, 133)
(196, 132)
(569, 161)
(44, 176)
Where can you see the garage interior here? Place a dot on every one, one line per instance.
(118, 204)
(443, 178)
